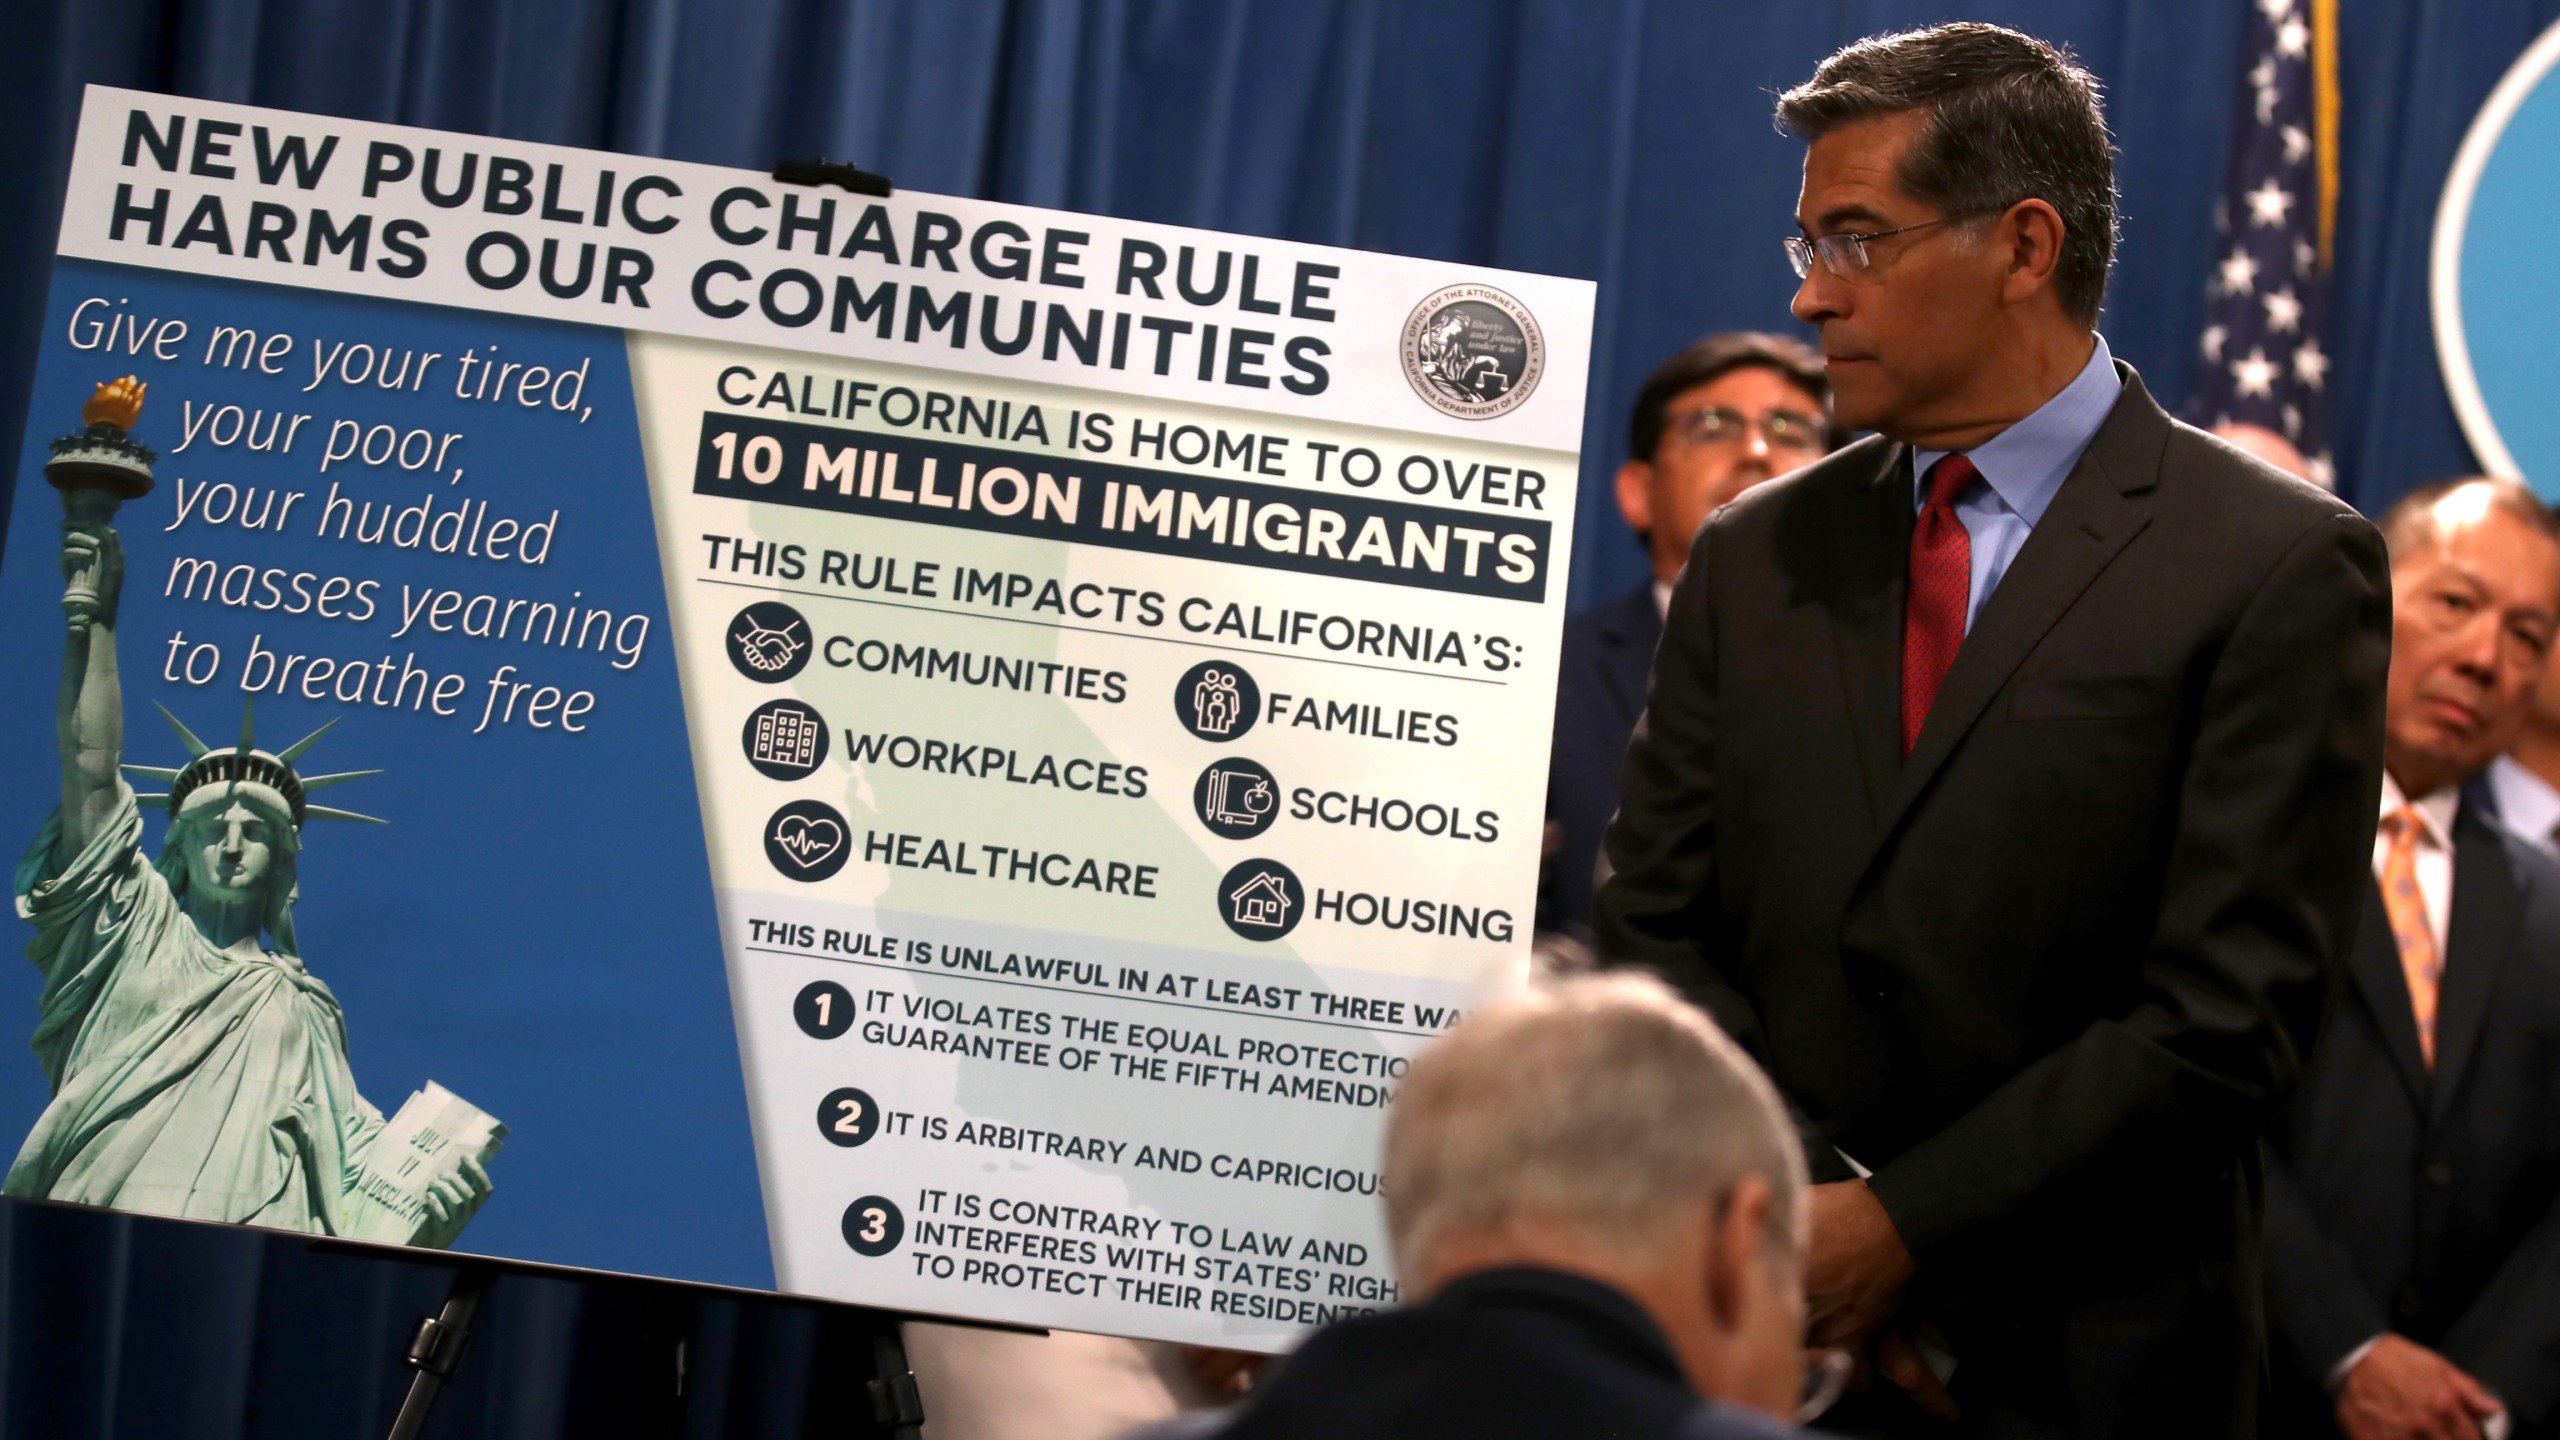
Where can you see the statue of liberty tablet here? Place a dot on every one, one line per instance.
(198, 1069)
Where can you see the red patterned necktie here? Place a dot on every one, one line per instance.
(1941, 584)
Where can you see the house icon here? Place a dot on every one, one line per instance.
(1262, 900)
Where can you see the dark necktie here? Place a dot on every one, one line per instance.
(1941, 584)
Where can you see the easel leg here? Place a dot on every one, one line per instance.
(437, 1349)
(895, 1401)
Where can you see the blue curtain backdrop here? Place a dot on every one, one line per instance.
(1627, 141)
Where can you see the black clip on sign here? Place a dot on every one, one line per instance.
(821, 172)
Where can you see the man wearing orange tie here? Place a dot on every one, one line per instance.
(2413, 1214)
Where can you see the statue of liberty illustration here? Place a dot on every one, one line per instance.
(198, 1068)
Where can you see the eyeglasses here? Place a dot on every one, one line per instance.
(1826, 1375)
(1716, 425)
(1845, 255)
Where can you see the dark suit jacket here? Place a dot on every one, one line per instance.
(2052, 975)
(1527, 1353)
(2429, 1204)
(1608, 650)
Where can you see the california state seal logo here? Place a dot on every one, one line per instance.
(1473, 352)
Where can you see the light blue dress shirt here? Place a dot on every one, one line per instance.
(2022, 467)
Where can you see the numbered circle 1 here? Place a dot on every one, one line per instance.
(769, 642)
(824, 1009)
(848, 1117)
(1236, 798)
(1217, 700)
(807, 840)
(873, 1226)
(1261, 900)
(785, 739)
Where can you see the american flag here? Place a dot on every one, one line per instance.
(2267, 303)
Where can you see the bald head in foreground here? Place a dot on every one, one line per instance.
(1597, 1211)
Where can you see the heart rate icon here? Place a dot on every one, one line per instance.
(806, 840)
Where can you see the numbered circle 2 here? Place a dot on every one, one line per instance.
(1261, 900)
(824, 1010)
(1217, 700)
(848, 1117)
(807, 840)
(769, 642)
(1236, 798)
(785, 739)
(873, 1226)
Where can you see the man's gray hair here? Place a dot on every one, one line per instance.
(2008, 118)
(1602, 1104)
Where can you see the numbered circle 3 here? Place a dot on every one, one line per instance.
(873, 1226)
(848, 1117)
(807, 840)
(1236, 798)
(824, 1009)
(785, 739)
(1261, 900)
(1217, 700)
(769, 642)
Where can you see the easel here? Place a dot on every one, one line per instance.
(436, 1349)
(435, 1352)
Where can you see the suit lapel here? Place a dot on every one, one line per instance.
(2488, 909)
(1870, 550)
(2101, 506)
(2375, 962)
(1628, 634)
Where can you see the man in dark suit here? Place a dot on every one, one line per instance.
(1714, 420)
(2006, 781)
(2413, 1215)
(1596, 1203)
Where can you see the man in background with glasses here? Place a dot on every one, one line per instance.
(2007, 782)
(1714, 420)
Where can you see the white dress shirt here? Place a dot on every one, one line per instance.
(2435, 850)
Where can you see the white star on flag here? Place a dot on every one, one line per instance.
(2275, 10)
(2297, 144)
(2263, 74)
(2214, 335)
(2293, 39)
(2267, 105)
(2255, 375)
(2293, 422)
(2305, 255)
(2269, 204)
(2239, 273)
(2309, 365)
(2284, 311)
(2324, 471)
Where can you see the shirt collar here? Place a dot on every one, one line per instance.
(2435, 812)
(2025, 464)
(2526, 802)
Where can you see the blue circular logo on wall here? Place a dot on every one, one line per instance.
(2496, 300)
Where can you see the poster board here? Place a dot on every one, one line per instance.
(933, 753)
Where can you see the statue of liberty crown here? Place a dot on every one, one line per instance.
(209, 766)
